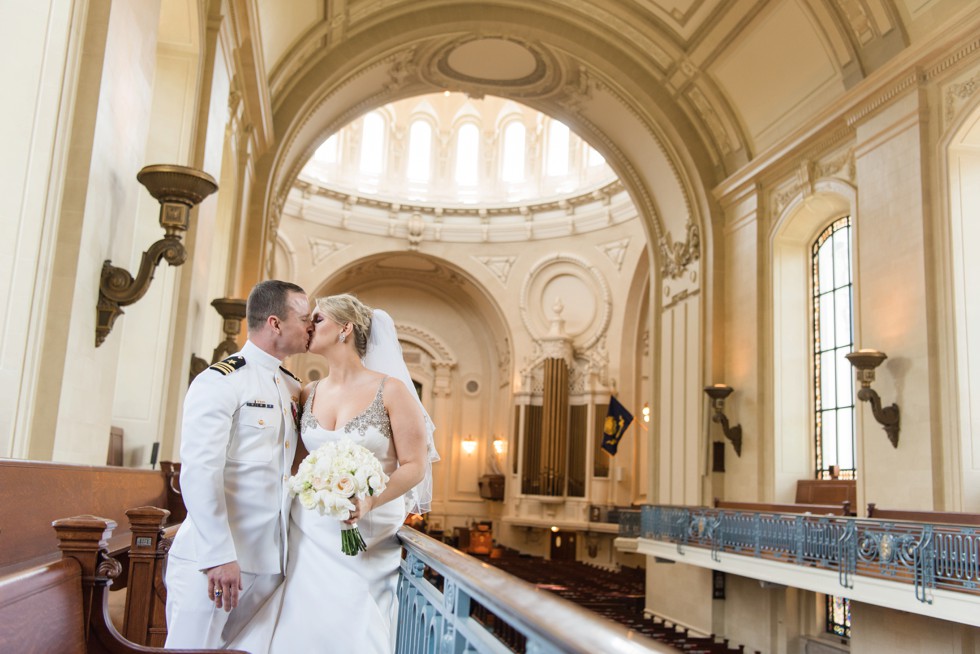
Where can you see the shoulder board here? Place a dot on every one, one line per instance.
(229, 365)
(291, 374)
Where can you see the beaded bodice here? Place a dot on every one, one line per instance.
(375, 415)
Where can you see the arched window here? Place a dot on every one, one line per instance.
(594, 158)
(833, 337)
(467, 154)
(328, 150)
(514, 152)
(373, 144)
(557, 161)
(420, 151)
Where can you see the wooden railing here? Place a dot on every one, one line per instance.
(454, 618)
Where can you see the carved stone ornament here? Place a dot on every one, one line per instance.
(957, 94)
(678, 256)
(499, 266)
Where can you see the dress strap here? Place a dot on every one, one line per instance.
(308, 406)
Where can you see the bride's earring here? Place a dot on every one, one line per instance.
(342, 337)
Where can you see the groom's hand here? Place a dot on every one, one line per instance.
(224, 582)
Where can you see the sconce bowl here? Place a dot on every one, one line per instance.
(718, 391)
(866, 359)
(180, 184)
(229, 308)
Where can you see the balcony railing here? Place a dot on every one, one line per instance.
(927, 556)
(451, 614)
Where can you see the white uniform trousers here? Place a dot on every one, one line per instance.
(193, 621)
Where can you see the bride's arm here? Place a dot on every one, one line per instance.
(408, 432)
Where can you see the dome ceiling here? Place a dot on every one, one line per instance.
(452, 150)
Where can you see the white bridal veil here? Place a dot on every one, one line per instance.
(384, 355)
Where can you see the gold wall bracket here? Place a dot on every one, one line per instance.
(865, 361)
(178, 189)
(718, 393)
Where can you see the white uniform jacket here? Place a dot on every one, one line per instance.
(237, 444)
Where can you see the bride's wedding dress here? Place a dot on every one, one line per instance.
(331, 602)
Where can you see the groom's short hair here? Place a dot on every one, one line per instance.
(269, 298)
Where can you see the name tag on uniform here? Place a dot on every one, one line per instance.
(260, 404)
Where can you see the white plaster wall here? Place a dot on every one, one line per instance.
(875, 629)
(39, 47)
(890, 300)
(210, 240)
(742, 315)
(144, 366)
(118, 152)
(680, 593)
(964, 237)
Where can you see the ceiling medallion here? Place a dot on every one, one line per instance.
(481, 64)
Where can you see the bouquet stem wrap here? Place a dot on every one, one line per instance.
(330, 476)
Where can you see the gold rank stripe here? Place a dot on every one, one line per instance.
(229, 365)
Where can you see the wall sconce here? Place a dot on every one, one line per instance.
(468, 445)
(646, 412)
(865, 362)
(232, 310)
(718, 393)
(499, 446)
(178, 189)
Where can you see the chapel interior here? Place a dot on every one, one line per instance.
(690, 209)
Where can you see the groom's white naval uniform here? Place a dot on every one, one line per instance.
(238, 438)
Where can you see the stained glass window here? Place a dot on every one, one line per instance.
(839, 616)
(833, 379)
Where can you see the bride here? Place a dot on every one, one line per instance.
(331, 601)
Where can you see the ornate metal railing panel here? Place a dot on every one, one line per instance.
(927, 556)
(451, 603)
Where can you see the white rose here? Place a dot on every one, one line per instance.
(308, 499)
(344, 486)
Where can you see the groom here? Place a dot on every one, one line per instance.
(238, 437)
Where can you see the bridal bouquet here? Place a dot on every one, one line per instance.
(330, 476)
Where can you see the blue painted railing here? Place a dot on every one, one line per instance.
(450, 615)
(928, 556)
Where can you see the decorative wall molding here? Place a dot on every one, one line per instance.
(427, 341)
(321, 248)
(499, 266)
(678, 256)
(957, 95)
(839, 165)
(586, 272)
(615, 251)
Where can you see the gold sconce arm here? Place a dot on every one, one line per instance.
(178, 189)
(718, 393)
(865, 361)
(232, 310)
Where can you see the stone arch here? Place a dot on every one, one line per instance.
(646, 140)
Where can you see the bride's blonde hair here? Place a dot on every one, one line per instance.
(345, 308)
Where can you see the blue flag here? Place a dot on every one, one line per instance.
(617, 420)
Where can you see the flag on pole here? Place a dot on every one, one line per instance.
(617, 421)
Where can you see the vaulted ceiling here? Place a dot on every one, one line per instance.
(675, 94)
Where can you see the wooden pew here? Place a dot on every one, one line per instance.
(842, 509)
(826, 491)
(36, 493)
(929, 517)
(61, 606)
